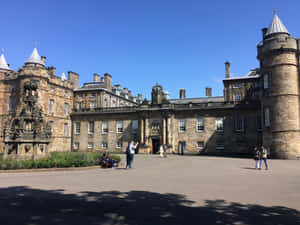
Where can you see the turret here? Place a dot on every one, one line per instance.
(278, 56)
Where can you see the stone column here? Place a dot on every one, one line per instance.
(142, 132)
(164, 131)
(146, 132)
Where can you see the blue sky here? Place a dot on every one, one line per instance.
(177, 43)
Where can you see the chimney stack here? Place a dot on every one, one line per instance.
(182, 93)
(44, 59)
(227, 69)
(208, 92)
(96, 77)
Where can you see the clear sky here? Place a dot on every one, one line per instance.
(177, 43)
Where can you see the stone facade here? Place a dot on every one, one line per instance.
(261, 107)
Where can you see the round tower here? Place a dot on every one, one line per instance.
(278, 54)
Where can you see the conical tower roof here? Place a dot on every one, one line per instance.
(3, 63)
(276, 26)
(34, 58)
(63, 76)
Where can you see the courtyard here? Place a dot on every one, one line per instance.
(173, 190)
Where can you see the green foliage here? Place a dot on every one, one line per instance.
(57, 160)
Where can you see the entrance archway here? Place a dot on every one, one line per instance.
(155, 145)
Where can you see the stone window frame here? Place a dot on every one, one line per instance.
(77, 127)
(65, 129)
(219, 125)
(51, 105)
(66, 93)
(267, 121)
(90, 145)
(51, 124)
(66, 109)
(76, 145)
(120, 126)
(239, 123)
(199, 125)
(104, 129)
(104, 145)
(199, 145)
(182, 125)
(92, 105)
(236, 85)
(91, 127)
(266, 81)
(237, 97)
(119, 145)
(134, 126)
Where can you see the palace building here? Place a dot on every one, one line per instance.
(42, 113)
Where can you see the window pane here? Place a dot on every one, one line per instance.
(65, 129)
(182, 125)
(200, 124)
(266, 81)
(119, 126)
(91, 127)
(219, 124)
(104, 127)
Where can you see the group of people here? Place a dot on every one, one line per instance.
(260, 155)
(130, 151)
(107, 161)
(163, 151)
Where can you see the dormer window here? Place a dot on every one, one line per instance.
(118, 92)
(236, 85)
(126, 96)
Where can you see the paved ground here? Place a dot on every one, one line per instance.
(174, 190)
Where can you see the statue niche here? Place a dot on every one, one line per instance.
(27, 127)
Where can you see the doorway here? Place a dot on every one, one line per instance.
(181, 147)
(155, 146)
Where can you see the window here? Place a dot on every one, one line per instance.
(51, 89)
(200, 145)
(117, 91)
(200, 124)
(66, 93)
(104, 127)
(77, 127)
(91, 127)
(258, 123)
(92, 105)
(134, 126)
(104, 145)
(11, 103)
(119, 144)
(51, 104)
(76, 145)
(239, 123)
(236, 85)
(237, 97)
(90, 145)
(65, 129)
(220, 146)
(66, 109)
(51, 123)
(79, 105)
(219, 124)
(93, 95)
(267, 117)
(119, 126)
(266, 81)
(126, 96)
(182, 125)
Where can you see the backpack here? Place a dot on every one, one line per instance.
(127, 150)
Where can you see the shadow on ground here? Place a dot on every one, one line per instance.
(22, 205)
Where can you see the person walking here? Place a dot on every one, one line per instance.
(165, 150)
(128, 155)
(263, 157)
(132, 148)
(256, 157)
(161, 151)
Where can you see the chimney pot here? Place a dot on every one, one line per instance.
(227, 69)
(182, 93)
(208, 92)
